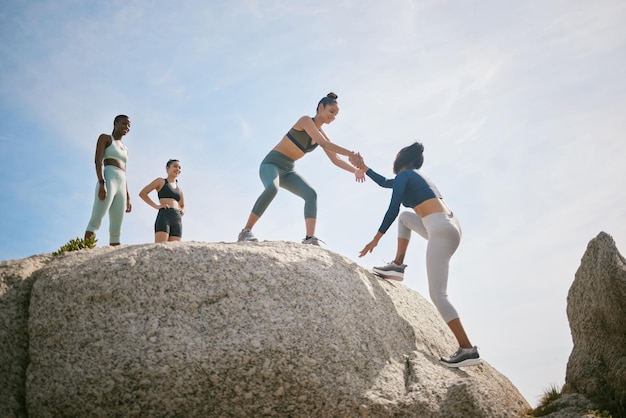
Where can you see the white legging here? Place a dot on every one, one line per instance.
(114, 203)
(443, 233)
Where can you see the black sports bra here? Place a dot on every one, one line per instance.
(168, 192)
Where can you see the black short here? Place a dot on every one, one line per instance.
(170, 221)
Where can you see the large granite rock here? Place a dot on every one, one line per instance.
(240, 330)
(596, 308)
(16, 279)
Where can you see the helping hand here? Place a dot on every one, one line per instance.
(359, 174)
(356, 160)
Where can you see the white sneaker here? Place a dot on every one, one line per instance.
(391, 271)
(463, 357)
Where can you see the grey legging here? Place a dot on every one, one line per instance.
(443, 233)
(277, 170)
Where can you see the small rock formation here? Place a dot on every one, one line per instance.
(596, 308)
(571, 405)
(269, 329)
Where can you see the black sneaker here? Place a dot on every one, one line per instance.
(391, 271)
(463, 357)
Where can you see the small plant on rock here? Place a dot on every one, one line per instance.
(545, 406)
(77, 244)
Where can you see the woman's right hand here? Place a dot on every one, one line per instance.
(102, 191)
(369, 247)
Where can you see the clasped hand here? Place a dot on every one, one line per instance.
(356, 160)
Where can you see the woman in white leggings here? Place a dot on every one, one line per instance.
(111, 194)
(434, 221)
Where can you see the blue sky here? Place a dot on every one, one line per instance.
(520, 106)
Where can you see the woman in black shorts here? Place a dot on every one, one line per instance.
(171, 206)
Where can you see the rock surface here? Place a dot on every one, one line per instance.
(596, 308)
(238, 330)
(16, 279)
(572, 405)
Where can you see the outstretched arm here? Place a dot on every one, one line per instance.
(358, 173)
(319, 137)
(378, 179)
(399, 188)
(369, 247)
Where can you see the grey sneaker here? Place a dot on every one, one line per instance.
(463, 357)
(313, 241)
(246, 236)
(391, 271)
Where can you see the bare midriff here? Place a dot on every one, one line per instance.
(116, 163)
(289, 149)
(430, 206)
(172, 203)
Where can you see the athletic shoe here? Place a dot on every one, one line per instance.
(313, 240)
(246, 236)
(391, 271)
(463, 357)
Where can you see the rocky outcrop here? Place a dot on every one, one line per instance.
(238, 330)
(571, 405)
(16, 280)
(596, 308)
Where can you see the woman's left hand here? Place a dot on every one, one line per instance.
(129, 207)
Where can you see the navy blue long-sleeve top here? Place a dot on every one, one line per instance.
(410, 188)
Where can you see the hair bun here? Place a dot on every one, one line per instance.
(329, 99)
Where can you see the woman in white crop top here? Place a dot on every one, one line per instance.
(112, 189)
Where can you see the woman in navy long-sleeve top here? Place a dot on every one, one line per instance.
(433, 220)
